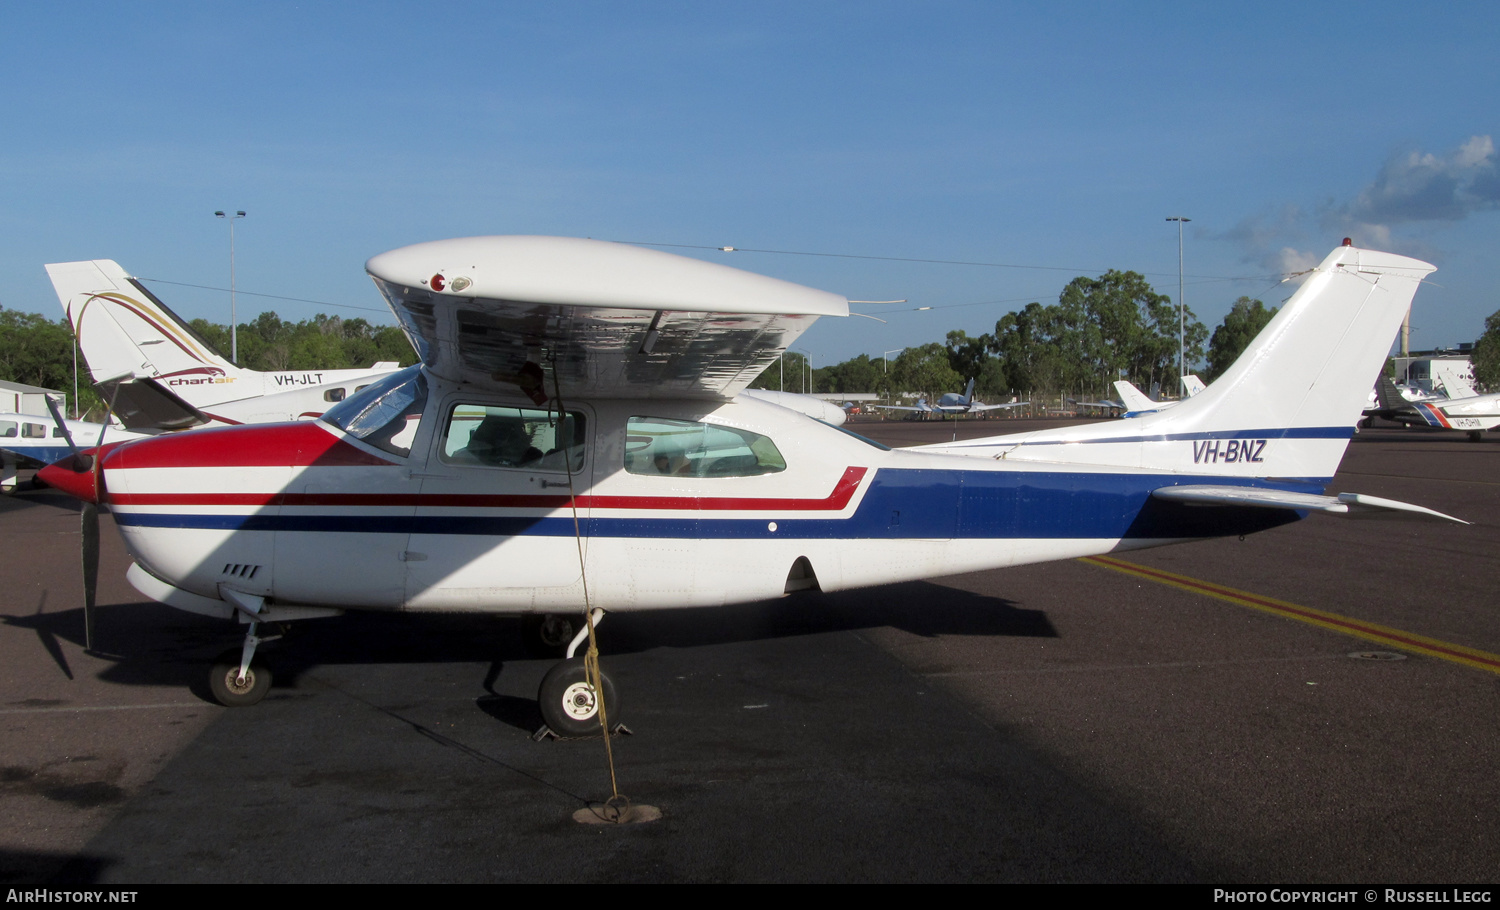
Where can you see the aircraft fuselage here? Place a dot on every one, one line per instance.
(678, 503)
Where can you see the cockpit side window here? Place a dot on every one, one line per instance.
(683, 448)
(506, 437)
(384, 414)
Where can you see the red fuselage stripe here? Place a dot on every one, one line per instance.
(843, 491)
(264, 446)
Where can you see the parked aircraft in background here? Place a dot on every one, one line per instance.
(29, 441)
(1473, 414)
(572, 444)
(1110, 406)
(166, 375)
(953, 403)
(1137, 402)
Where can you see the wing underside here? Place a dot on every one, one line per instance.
(612, 320)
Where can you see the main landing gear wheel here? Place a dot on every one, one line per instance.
(232, 692)
(549, 634)
(570, 706)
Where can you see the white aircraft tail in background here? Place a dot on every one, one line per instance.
(1137, 402)
(164, 375)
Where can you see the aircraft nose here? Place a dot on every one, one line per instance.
(78, 484)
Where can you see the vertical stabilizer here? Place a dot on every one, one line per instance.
(123, 330)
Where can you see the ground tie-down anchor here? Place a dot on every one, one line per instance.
(546, 732)
(617, 810)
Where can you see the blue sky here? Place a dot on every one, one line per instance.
(1055, 137)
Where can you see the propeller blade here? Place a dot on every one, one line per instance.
(89, 535)
(80, 463)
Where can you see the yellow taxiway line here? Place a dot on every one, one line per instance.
(1369, 631)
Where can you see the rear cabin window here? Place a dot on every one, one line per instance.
(682, 448)
(503, 437)
(7, 429)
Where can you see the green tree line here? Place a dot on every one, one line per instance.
(1100, 330)
(323, 342)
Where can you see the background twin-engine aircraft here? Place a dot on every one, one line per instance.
(954, 403)
(573, 443)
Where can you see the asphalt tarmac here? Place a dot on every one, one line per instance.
(1073, 721)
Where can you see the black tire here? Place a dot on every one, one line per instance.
(549, 634)
(568, 703)
(223, 679)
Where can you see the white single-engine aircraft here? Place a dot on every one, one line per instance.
(1473, 414)
(571, 442)
(167, 376)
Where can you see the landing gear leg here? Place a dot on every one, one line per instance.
(569, 701)
(237, 679)
(549, 634)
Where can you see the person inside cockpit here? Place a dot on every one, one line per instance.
(500, 441)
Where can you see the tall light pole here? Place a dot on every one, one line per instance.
(805, 380)
(1181, 305)
(234, 323)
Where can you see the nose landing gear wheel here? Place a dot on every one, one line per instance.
(232, 692)
(570, 706)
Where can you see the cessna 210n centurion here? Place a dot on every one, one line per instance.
(572, 441)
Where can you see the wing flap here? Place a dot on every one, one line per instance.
(1348, 505)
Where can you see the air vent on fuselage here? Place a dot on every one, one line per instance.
(802, 577)
(240, 570)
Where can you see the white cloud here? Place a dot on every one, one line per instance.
(1425, 187)
(1410, 188)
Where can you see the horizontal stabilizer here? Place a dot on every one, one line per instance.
(147, 404)
(1349, 505)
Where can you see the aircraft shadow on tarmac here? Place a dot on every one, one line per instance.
(153, 645)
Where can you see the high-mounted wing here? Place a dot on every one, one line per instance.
(615, 320)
